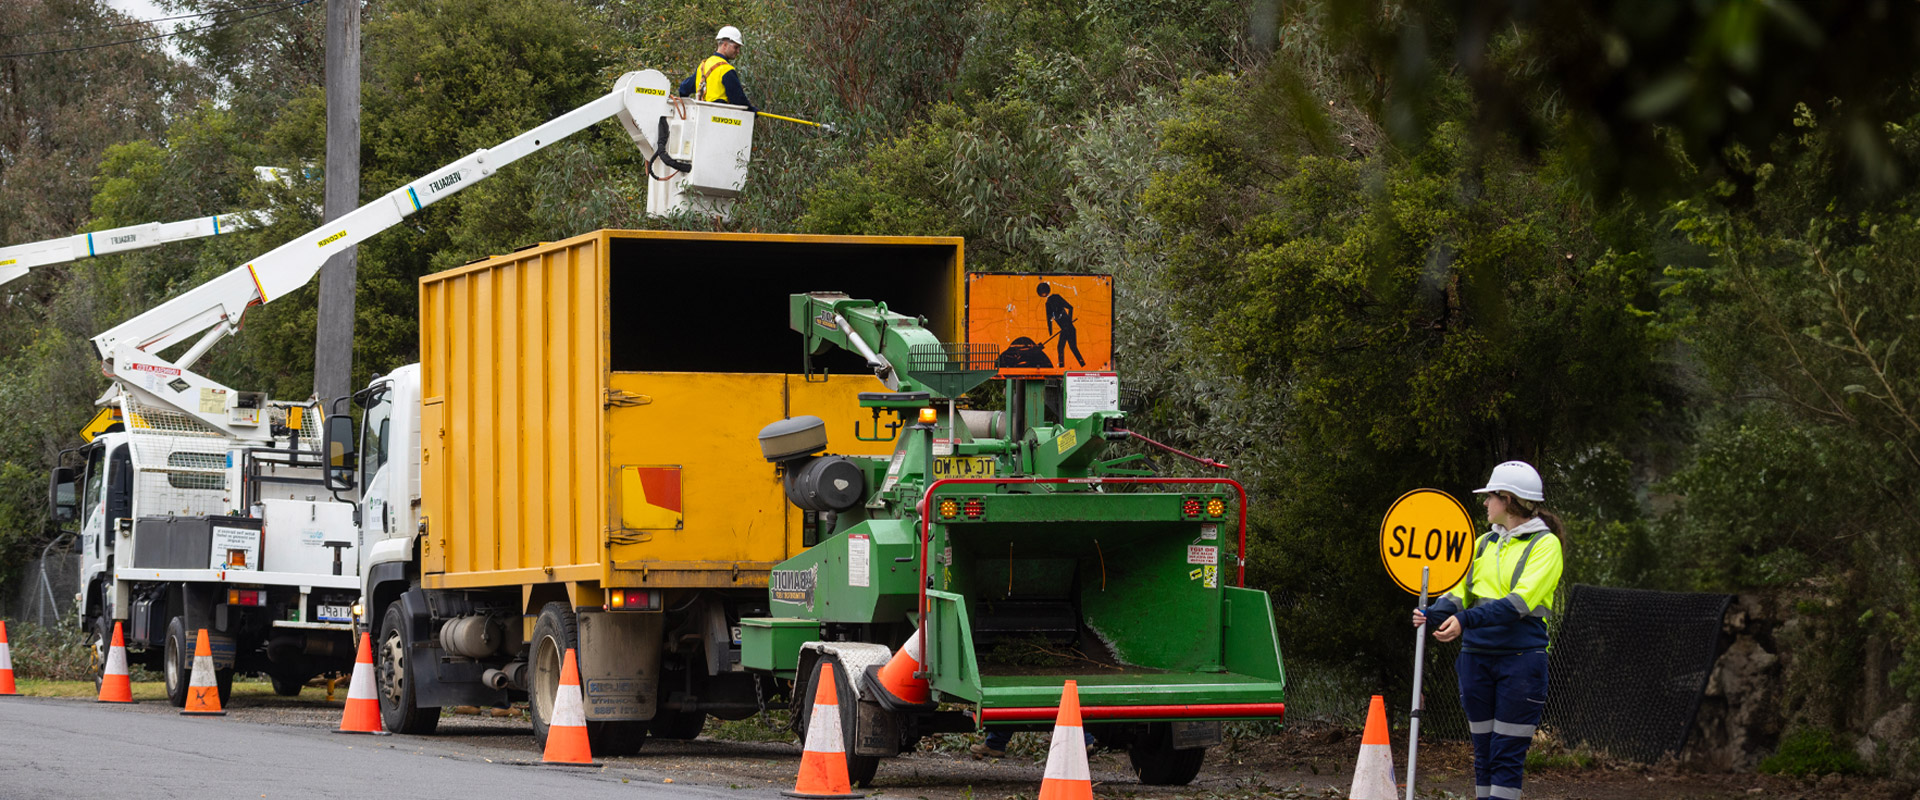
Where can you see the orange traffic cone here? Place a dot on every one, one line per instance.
(116, 685)
(823, 761)
(567, 731)
(203, 694)
(1373, 777)
(896, 680)
(363, 706)
(1067, 776)
(6, 663)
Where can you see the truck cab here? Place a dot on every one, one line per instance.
(183, 529)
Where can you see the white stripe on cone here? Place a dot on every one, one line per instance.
(567, 710)
(202, 672)
(823, 729)
(117, 661)
(6, 656)
(1373, 777)
(360, 687)
(1067, 756)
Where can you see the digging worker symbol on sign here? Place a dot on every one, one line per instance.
(1060, 314)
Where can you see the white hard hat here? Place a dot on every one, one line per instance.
(729, 33)
(1516, 477)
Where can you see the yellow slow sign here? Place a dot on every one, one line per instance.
(1426, 528)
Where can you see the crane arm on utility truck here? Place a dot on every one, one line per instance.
(130, 352)
(17, 259)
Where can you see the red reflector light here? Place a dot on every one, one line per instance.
(1191, 507)
(633, 600)
(975, 508)
(246, 597)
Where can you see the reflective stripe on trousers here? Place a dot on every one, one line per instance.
(1503, 697)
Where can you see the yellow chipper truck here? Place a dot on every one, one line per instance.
(582, 460)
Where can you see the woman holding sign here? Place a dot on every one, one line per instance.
(1499, 611)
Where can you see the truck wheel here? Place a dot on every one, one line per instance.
(397, 704)
(99, 639)
(1157, 762)
(177, 662)
(689, 675)
(860, 769)
(554, 633)
(679, 725)
(287, 685)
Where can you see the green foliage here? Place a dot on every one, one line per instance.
(60, 652)
(1811, 751)
(1423, 316)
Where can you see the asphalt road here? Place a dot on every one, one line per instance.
(64, 749)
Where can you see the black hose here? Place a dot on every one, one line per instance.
(660, 151)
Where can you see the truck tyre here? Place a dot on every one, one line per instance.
(286, 685)
(99, 639)
(1157, 762)
(676, 724)
(177, 662)
(679, 725)
(554, 633)
(397, 705)
(860, 769)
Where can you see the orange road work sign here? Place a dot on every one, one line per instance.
(1426, 528)
(1043, 324)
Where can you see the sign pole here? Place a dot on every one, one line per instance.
(1419, 675)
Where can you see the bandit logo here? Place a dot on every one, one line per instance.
(794, 585)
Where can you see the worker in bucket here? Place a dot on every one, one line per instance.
(717, 80)
(1499, 612)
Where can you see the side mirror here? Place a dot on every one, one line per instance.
(339, 453)
(63, 495)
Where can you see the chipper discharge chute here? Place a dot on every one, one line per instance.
(1021, 556)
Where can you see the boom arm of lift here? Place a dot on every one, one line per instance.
(130, 352)
(17, 259)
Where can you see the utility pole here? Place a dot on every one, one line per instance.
(333, 342)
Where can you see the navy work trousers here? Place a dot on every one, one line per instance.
(1503, 696)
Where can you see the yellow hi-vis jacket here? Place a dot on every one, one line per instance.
(1508, 592)
(709, 77)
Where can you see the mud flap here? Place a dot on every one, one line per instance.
(1189, 735)
(619, 659)
(876, 731)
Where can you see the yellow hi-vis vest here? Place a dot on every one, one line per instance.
(706, 81)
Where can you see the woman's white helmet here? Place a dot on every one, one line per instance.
(729, 33)
(1516, 477)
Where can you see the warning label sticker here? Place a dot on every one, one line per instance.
(859, 555)
(1203, 554)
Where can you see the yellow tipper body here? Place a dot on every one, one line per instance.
(590, 406)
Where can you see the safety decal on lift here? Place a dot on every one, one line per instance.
(859, 556)
(1067, 440)
(794, 585)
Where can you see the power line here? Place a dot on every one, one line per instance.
(273, 10)
(137, 22)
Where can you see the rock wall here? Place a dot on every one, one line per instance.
(1784, 662)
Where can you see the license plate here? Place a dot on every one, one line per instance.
(334, 613)
(964, 467)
